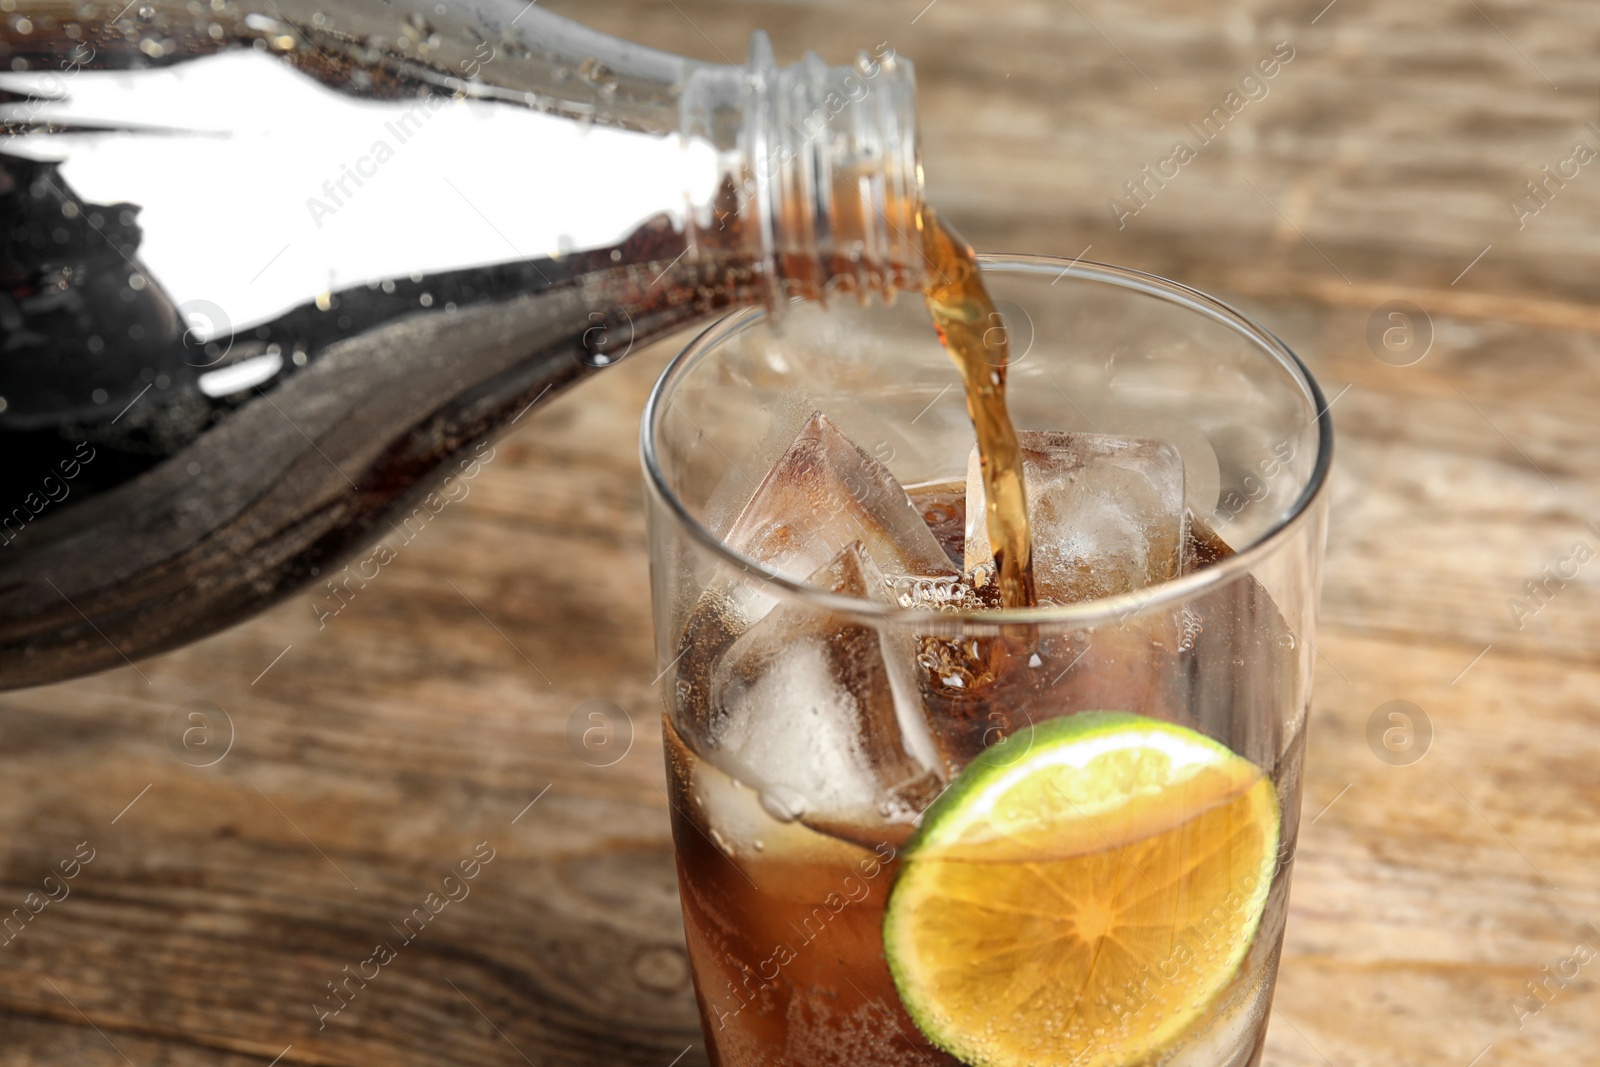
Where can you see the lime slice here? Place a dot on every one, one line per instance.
(1082, 892)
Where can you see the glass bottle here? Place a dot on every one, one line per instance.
(269, 271)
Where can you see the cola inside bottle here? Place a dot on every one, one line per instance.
(268, 271)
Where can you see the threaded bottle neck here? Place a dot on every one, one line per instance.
(823, 168)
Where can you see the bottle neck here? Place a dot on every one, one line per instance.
(821, 182)
(818, 185)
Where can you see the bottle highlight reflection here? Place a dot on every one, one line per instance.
(264, 271)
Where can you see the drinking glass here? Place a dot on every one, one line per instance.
(825, 742)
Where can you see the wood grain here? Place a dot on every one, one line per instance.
(371, 755)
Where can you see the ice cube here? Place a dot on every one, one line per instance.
(824, 493)
(1107, 514)
(813, 711)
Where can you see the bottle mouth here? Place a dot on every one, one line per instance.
(825, 167)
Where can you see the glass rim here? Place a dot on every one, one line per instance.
(1087, 612)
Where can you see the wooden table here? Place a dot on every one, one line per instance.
(369, 757)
